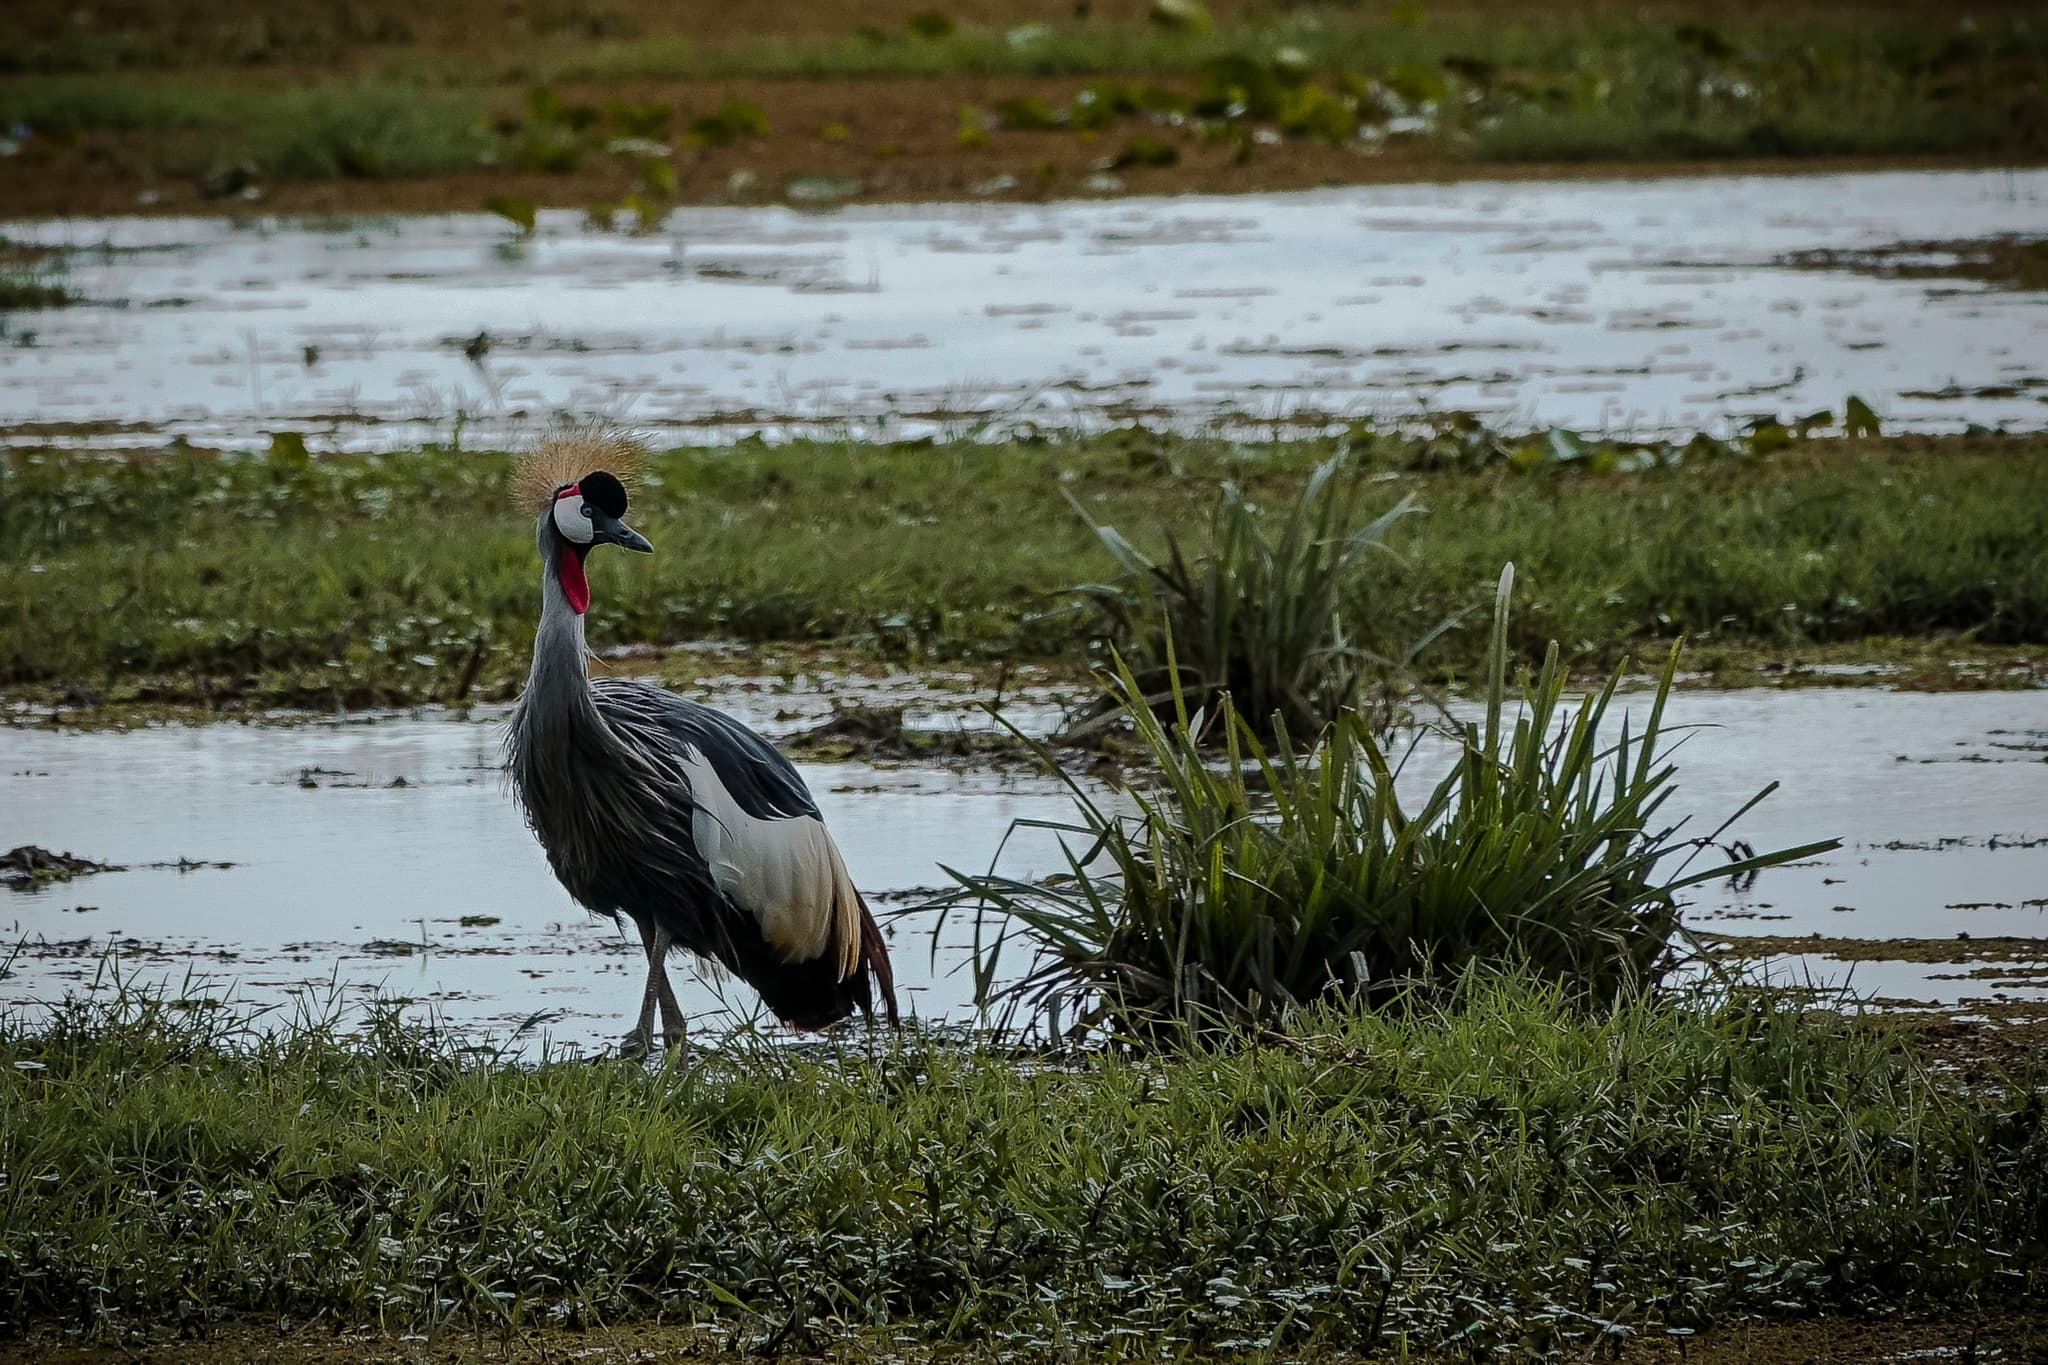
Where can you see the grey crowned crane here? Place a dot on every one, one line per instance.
(665, 811)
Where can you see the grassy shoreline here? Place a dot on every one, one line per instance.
(185, 579)
(1032, 109)
(1647, 1168)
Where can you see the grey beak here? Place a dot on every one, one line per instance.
(608, 531)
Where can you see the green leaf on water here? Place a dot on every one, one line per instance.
(734, 120)
(659, 177)
(1146, 150)
(1766, 437)
(514, 210)
(1818, 420)
(288, 448)
(648, 120)
(1566, 447)
(1417, 83)
(973, 129)
(1027, 113)
(1180, 16)
(819, 189)
(647, 214)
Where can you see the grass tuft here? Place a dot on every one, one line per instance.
(1243, 890)
(30, 279)
(1259, 616)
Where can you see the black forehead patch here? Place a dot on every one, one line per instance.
(602, 490)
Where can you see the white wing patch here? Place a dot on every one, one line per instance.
(787, 873)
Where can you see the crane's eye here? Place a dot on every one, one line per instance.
(572, 519)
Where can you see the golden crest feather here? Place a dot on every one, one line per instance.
(567, 456)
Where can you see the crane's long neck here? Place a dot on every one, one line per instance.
(585, 787)
(555, 713)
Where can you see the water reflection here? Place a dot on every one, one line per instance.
(1633, 307)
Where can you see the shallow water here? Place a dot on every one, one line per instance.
(357, 881)
(1652, 307)
(360, 885)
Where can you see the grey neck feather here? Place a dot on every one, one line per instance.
(556, 704)
(587, 790)
(555, 725)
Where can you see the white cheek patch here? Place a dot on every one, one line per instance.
(570, 520)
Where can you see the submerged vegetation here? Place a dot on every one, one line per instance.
(1502, 1168)
(26, 290)
(31, 278)
(358, 580)
(1241, 891)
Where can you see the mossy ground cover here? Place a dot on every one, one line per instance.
(190, 579)
(1503, 1170)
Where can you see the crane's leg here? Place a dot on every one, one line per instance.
(672, 1027)
(640, 1041)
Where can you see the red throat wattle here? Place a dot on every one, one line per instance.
(575, 586)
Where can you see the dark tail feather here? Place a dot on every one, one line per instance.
(874, 955)
(810, 994)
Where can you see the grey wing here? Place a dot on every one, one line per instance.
(766, 785)
(752, 821)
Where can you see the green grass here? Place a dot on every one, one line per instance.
(32, 277)
(1507, 1171)
(1840, 53)
(320, 131)
(1239, 892)
(171, 34)
(23, 290)
(363, 579)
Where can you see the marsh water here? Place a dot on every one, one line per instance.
(384, 855)
(1654, 307)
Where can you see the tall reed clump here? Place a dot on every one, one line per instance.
(1238, 891)
(1257, 616)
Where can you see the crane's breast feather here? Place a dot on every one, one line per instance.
(784, 871)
